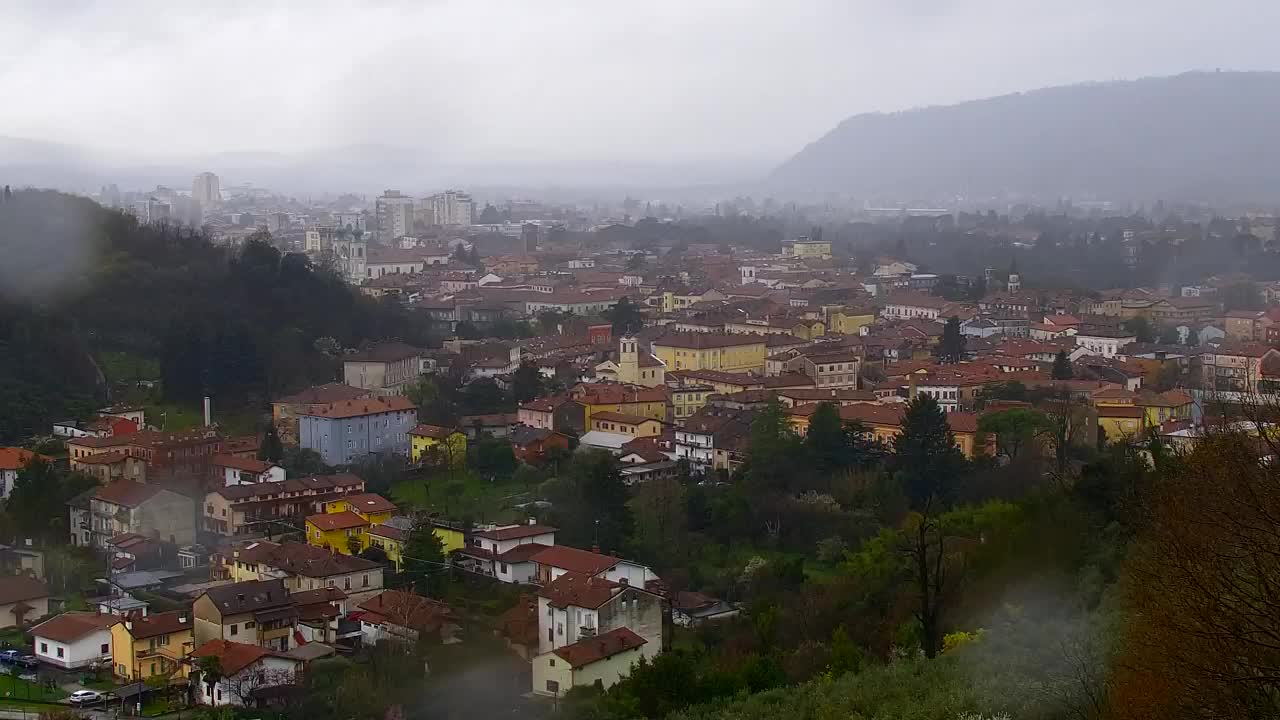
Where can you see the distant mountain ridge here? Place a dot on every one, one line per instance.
(1195, 136)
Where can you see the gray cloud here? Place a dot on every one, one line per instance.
(567, 81)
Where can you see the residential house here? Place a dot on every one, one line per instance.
(125, 506)
(12, 460)
(1119, 416)
(560, 559)
(406, 617)
(632, 425)
(530, 444)
(74, 639)
(390, 539)
(904, 305)
(343, 524)
(246, 669)
(345, 432)
(233, 470)
(22, 599)
(690, 609)
(712, 351)
(1239, 367)
(494, 425)
(150, 645)
(541, 412)
(832, 370)
(177, 459)
(243, 509)
(285, 411)
(713, 438)
(255, 612)
(629, 399)
(576, 606)
(850, 321)
(387, 368)
(505, 553)
(688, 399)
(302, 567)
(883, 423)
(1105, 342)
(106, 467)
(599, 660)
(437, 445)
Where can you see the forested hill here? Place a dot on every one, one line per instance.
(1193, 136)
(79, 282)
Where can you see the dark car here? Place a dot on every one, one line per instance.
(27, 661)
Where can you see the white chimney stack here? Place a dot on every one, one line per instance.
(208, 412)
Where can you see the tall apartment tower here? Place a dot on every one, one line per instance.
(394, 215)
(452, 208)
(206, 190)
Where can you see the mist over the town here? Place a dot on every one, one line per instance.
(639, 360)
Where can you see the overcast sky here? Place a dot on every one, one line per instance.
(488, 81)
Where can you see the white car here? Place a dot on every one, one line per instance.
(85, 697)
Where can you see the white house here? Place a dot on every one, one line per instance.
(577, 606)
(506, 553)
(235, 470)
(244, 668)
(603, 659)
(74, 639)
(401, 616)
(1102, 342)
(12, 460)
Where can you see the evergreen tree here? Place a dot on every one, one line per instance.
(625, 316)
(424, 560)
(271, 449)
(590, 502)
(950, 348)
(926, 458)
(771, 453)
(825, 443)
(1062, 366)
(526, 382)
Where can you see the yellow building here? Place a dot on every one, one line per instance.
(438, 445)
(1119, 414)
(712, 351)
(344, 524)
(808, 249)
(850, 321)
(393, 540)
(633, 366)
(632, 425)
(689, 399)
(654, 402)
(1163, 407)
(153, 645)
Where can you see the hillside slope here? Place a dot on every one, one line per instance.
(1193, 136)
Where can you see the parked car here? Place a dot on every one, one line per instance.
(85, 697)
(27, 661)
(10, 656)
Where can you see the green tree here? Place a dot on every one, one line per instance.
(926, 459)
(37, 504)
(661, 523)
(625, 316)
(589, 502)
(1141, 328)
(526, 383)
(1015, 429)
(771, 452)
(424, 561)
(950, 348)
(271, 449)
(302, 462)
(1062, 366)
(492, 457)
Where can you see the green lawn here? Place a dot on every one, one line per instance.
(462, 494)
(13, 688)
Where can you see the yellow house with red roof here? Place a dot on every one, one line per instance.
(344, 525)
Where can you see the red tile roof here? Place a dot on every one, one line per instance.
(233, 656)
(243, 464)
(433, 431)
(20, 587)
(369, 503)
(579, 590)
(590, 650)
(406, 610)
(513, 532)
(337, 521)
(127, 493)
(71, 626)
(361, 408)
(159, 624)
(12, 458)
(575, 560)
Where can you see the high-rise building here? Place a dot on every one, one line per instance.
(394, 214)
(452, 208)
(206, 190)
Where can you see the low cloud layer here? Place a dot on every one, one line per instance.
(566, 81)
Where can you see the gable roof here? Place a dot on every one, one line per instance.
(127, 493)
(594, 649)
(18, 588)
(12, 458)
(438, 432)
(232, 656)
(406, 610)
(337, 521)
(575, 560)
(243, 464)
(368, 502)
(579, 589)
(156, 624)
(71, 626)
(248, 596)
(513, 532)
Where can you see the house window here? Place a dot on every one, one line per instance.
(364, 581)
(504, 567)
(153, 668)
(552, 662)
(44, 648)
(235, 630)
(105, 649)
(550, 635)
(250, 624)
(553, 687)
(61, 651)
(346, 583)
